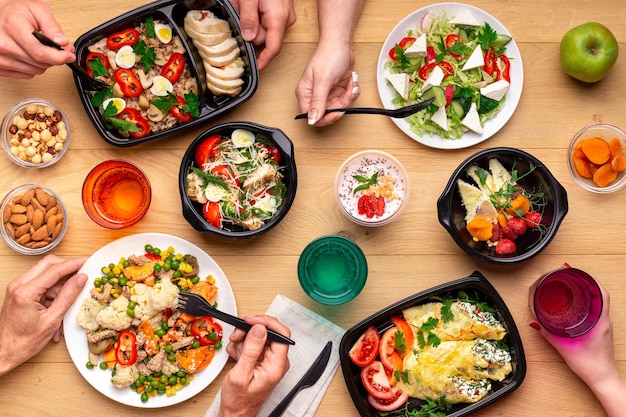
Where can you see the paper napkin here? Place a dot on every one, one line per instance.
(311, 332)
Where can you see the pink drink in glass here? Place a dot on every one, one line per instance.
(567, 302)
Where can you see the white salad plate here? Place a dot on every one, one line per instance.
(76, 341)
(492, 126)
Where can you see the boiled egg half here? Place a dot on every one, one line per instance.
(161, 86)
(125, 57)
(163, 32)
(242, 138)
(118, 103)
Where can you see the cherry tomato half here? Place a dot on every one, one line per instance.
(375, 381)
(211, 211)
(173, 68)
(364, 351)
(396, 401)
(122, 38)
(207, 149)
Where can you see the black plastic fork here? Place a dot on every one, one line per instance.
(401, 113)
(91, 84)
(197, 305)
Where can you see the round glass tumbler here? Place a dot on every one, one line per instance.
(332, 270)
(116, 194)
(567, 302)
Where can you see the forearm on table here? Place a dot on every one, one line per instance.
(337, 19)
(7, 354)
(610, 392)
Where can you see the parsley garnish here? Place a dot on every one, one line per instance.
(148, 56)
(400, 342)
(97, 67)
(486, 36)
(192, 104)
(431, 408)
(366, 182)
(123, 125)
(150, 26)
(425, 335)
(165, 103)
(100, 96)
(446, 311)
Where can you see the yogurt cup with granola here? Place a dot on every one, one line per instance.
(372, 188)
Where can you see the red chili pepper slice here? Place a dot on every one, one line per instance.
(431, 56)
(504, 67)
(126, 351)
(206, 331)
(490, 66)
(94, 59)
(122, 38)
(128, 82)
(404, 44)
(178, 112)
(134, 116)
(451, 39)
(173, 68)
(425, 71)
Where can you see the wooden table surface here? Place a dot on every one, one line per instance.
(407, 256)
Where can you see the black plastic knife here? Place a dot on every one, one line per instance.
(309, 379)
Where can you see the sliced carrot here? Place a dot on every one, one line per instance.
(618, 163)
(597, 150)
(616, 147)
(604, 175)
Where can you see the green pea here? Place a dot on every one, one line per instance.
(180, 374)
(133, 387)
(212, 336)
(141, 379)
(89, 365)
(97, 282)
(144, 397)
(218, 345)
(103, 365)
(195, 344)
(156, 251)
(132, 304)
(157, 374)
(164, 379)
(167, 266)
(195, 279)
(169, 348)
(183, 381)
(150, 388)
(172, 380)
(111, 265)
(171, 357)
(160, 332)
(104, 280)
(148, 248)
(154, 383)
(130, 313)
(123, 281)
(175, 264)
(164, 325)
(126, 263)
(177, 274)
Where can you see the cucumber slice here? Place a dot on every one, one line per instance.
(501, 40)
(458, 108)
(438, 93)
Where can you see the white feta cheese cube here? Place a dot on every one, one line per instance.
(465, 18)
(472, 120)
(434, 78)
(401, 83)
(418, 48)
(475, 60)
(441, 118)
(495, 91)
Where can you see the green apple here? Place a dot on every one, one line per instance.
(588, 52)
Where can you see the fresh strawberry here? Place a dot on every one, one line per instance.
(517, 225)
(506, 247)
(496, 232)
(533, 219)
(379, 207)
(508, 233)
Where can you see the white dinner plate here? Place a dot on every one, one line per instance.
(75, 335)
(492, 126)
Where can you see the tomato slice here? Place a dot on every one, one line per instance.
(211, 211)
(375, 381)
(122, 38)
(207, 149)
(407, 331)
(364, 351)
(173, 68)
(389, 355)
(396, 401)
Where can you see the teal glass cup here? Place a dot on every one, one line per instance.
(332, 270)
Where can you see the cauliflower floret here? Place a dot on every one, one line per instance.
(152, 300)
(170, 368)
(87, 314)
(124, 376)
(114, 315)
